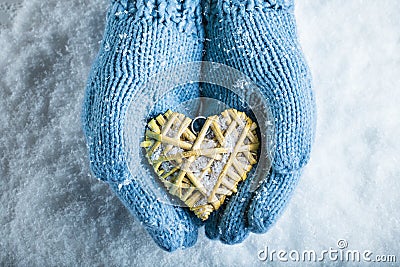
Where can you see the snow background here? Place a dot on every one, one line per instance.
(52, 212)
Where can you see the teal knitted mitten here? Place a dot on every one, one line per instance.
(141, 39)
(259, 39)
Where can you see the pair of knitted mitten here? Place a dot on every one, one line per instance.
(143, 38)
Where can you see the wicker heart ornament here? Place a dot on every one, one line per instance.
(202, 169)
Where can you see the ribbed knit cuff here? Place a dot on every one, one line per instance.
(186, 15)
(226, 7)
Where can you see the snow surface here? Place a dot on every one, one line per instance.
(52, 212)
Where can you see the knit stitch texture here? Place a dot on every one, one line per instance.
(140, 40)
(256, 37)
(260, 40)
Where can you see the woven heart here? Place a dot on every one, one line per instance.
(203, 169)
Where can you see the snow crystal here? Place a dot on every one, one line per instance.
(231, 140)
(157, 153)
(167, 166)
(208, 183)
(174, 150)
(199, 163)
(223, 122)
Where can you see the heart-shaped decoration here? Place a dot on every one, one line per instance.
(202, 169)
